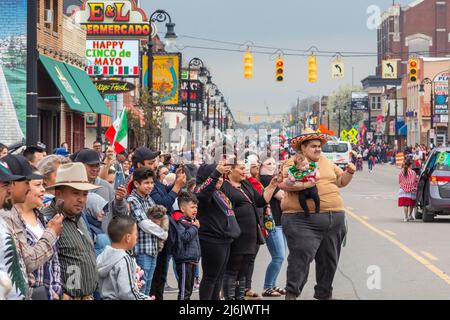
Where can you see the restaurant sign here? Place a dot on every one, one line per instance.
(112, 19)
(113, 86)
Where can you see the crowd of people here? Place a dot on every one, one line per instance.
(90, 225)
(382, 153)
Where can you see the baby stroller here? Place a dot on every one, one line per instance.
(359, 162)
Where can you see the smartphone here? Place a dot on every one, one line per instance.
(60, 207)
(118, 181)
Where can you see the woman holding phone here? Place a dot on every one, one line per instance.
(47, 284)
(245, 200)
(218, 228)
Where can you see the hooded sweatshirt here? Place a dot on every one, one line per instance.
(117, 276)
(218, 223)
(95, 204)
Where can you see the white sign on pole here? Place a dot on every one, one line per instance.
(389, 69)
(337, 70)
(432, 134)
(112, 57)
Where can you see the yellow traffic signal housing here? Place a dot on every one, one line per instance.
(279, 69)
(248, 65)
(312, 68)
(413, 69)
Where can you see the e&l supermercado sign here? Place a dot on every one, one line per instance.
(109, 19)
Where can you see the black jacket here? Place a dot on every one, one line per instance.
(218, 223)
(186, 247)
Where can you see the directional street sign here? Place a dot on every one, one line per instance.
(337, 70)
(389, 69)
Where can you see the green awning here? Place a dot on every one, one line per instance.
(65, 84)
(89, 91)
(75, 86)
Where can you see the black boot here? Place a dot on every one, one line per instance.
(290, 296)
(229, 287)
(240, 289)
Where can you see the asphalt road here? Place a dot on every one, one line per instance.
(384, 257)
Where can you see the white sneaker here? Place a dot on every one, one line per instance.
(411, 218)
(405, 220)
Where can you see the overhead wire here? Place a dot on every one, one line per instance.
(303, 52)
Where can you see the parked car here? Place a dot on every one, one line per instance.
(338, 152)
(433, 192)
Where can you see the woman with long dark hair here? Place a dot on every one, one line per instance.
(218, 228)
(245, 200)
(408, 187)
(47, 284)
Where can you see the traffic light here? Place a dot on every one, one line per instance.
(248, 64)
(312, 68)
(413, 70)
(279, 73)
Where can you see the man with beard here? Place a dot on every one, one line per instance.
(10, 261)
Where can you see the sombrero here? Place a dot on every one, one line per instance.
(309, 134)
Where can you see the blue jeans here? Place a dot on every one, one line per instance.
(276, 243)
(101, 241)
(148, 264)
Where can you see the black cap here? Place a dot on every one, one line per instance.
(141, 154)
(6, 174)
(20, 166)
(88, 156)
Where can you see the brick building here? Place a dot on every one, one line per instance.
(64, 97)
(421, 28)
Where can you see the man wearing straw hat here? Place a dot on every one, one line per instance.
(318, 236)
(75, 247)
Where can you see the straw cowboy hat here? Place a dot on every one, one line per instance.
(73, 175)
(309, 134)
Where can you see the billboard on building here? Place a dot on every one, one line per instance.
(166, 78)
(441, 97)
(360, 101)
(112, 58)
(13, 55)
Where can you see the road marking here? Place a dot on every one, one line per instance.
(429, 255)
(365, 217)
(390, 232)
(438, 272)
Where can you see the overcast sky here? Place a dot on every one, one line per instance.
(329, 25)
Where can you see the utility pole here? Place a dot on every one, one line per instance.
(339, 122)
(32, 127)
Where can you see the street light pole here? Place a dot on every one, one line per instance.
(32, 127)
(157, 16)
(194, 62)
(395, 119)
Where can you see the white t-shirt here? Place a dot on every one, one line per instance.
(37, 230)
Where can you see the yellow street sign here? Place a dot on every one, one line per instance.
(389, 69)
(353, 132)
(337, 70)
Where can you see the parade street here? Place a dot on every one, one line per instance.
(384, 257)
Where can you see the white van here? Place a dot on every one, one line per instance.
(338, 152)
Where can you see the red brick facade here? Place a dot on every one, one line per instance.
(422, 26)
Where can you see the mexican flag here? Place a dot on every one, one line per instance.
(117, 134)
